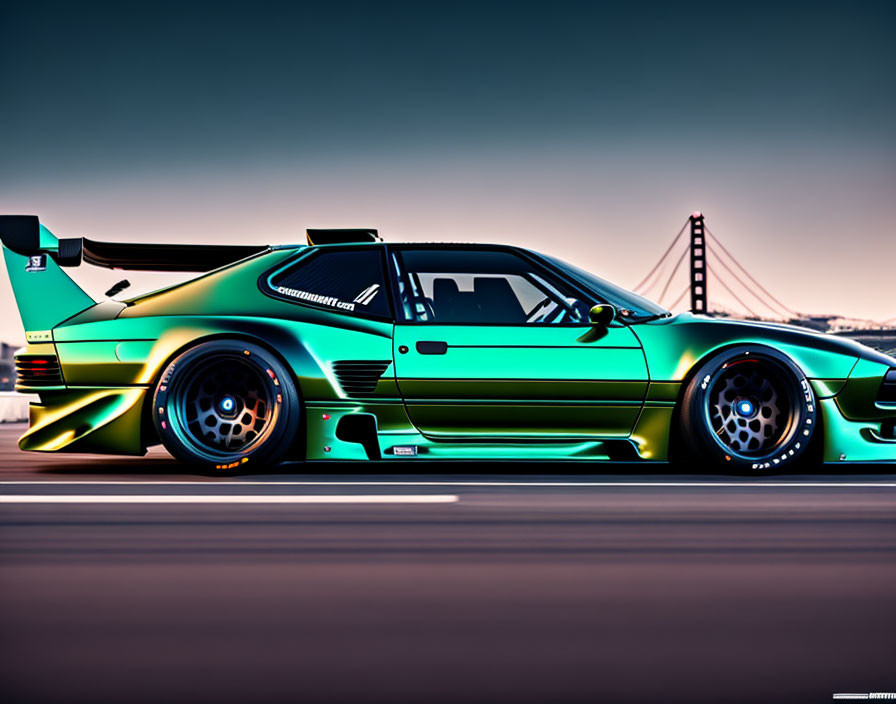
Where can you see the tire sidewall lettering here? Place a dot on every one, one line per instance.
(797, 438)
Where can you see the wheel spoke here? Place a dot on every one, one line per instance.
(226, 406)
(746, 409)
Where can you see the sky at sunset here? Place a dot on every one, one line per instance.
(586, 130)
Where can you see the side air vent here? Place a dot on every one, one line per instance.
(38, 370)
(359, 377)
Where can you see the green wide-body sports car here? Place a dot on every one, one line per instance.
(349, 348)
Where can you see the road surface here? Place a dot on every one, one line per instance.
(128, 581)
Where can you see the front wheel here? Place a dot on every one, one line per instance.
(750, 409)
(225, 405)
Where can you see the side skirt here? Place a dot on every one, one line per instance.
(376, 430)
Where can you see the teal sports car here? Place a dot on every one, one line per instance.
(350, 348)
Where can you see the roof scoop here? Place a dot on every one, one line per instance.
(343, 236)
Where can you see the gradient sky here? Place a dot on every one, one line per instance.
(587, 130)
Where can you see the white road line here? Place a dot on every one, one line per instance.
(450, 482)
(243, 499)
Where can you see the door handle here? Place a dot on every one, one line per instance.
(432, 347)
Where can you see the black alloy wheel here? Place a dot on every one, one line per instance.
(225, 405)
(750, 409)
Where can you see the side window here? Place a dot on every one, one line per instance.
(482, 287)
(348, 281)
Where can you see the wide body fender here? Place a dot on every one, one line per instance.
(844, 375)
(112, 366)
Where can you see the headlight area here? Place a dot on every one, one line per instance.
(858, 425)
(887, 392)
(888, 430)
(861, 397)
(869, 398)
(886, 396)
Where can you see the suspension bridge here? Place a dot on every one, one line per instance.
(709, 262)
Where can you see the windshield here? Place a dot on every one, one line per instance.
(637, 306)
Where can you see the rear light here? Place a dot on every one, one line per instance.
(38, 370)
(887, 393)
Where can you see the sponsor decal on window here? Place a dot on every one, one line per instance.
(330, 301)
(364, 298)
(367, 295)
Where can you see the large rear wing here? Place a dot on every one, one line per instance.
(46, 295)
(23, 234)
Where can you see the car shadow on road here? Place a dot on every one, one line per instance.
(163, 467)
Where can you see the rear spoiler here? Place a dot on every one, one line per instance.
(46, 295)
(23, 234)
(162, 257)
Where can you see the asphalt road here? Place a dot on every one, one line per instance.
(128, 581)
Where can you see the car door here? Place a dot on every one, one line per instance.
(489, 345)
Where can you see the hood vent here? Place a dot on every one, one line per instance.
(359, 377)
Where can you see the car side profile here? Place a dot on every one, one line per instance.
(350, 348)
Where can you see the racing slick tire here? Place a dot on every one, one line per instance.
(750, 410)
(225, 406)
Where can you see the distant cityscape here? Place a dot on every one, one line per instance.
(7, 367)
(879, 336)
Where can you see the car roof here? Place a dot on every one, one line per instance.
(434, 245)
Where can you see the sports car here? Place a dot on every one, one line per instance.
(351, 348)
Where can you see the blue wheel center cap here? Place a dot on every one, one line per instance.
(745, 407)
(227, 404)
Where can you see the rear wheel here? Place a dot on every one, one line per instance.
(749, 409)
(226, 405)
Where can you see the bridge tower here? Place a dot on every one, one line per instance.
(698, 264)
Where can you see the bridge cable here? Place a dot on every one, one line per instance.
(752, 292)
(674, 271)
(736, 298)
(665, 254)
(661, 275)
(678, 300)
(749, 276)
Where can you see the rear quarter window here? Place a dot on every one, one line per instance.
(344, 281)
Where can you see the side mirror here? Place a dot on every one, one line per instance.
(602, 315)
